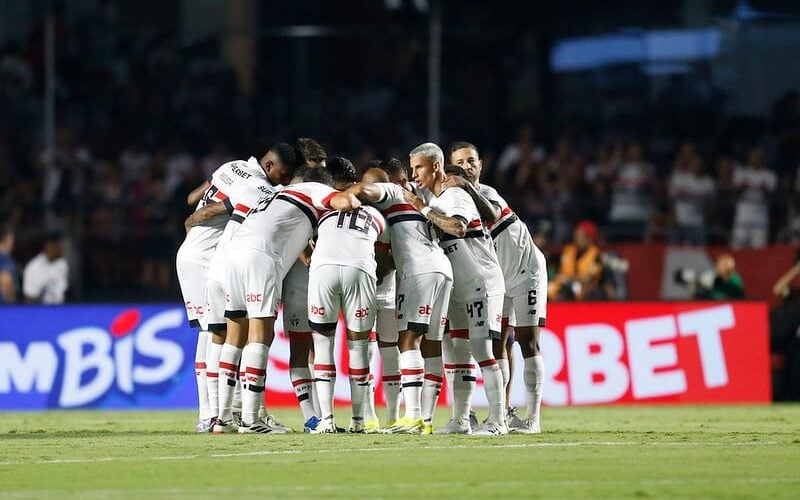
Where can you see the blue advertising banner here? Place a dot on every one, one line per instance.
(104, 356)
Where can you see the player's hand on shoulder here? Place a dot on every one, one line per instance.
(413, 199)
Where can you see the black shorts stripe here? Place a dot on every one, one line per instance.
(312, 218)
(217, 327)
(496, 230)
(194, 323)
(322, 327)
(494, 335)
(542, 322)
(406, 218)
(235, 314)
(418, 327)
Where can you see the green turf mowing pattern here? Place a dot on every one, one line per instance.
(641, 452)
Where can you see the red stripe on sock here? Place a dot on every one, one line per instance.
(431, 376)
(468, 366)
(255, 371)
(228, 366)
(212, 375)
(302, 381)
(488, 362)
(325, 367)
(391, 378)
(200, 366)
(359, 371)
(459, 334)
(412, 371)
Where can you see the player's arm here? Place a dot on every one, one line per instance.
(384, 260)
(305, 257)
(196, 195)
(7, 288)
(489, 212)
(455, 226)
(351, 198)
(206, 213)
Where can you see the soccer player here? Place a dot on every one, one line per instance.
(266, 176)
(204, 229)
(295, 310)
(385, 296)
(525, 274)
(258, 260)
(477, 304)
(342, 278)
(424, 282)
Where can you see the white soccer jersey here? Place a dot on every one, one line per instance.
(348, 239)
(413, 249)
(246, 199)
(226, 181)
(512, 242)
(282, 227)
(472, 257)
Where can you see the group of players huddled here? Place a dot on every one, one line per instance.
(438, 267)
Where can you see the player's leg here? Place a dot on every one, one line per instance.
(371, 422)
(324, 303)
(386, 328)
(484, 326)
(499, 346)
(459, 368)
(215, 316)
(431, 348)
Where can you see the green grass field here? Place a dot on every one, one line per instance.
(732, 452)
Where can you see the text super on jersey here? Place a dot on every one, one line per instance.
(226, 182)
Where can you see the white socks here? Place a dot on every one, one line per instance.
(534, 377)
(254, 366)
(431, 387)
(203, 338)
(303, 387)
(228, 367)
(324, 373)
(411, 375)
(212, 376)
(390, 356)
(461, 371)
(492, 378)
(359, 375)
(505, 371)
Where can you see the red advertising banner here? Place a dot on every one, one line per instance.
(688, 352)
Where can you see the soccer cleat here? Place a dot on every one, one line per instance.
(406, 425)
(257, 427)
(277, 427)
(203, 426)
(492, 429)
(512, 419)
(529, 426)
(221, 427)
(356, 426)
(311, 423)
(372, 427)
(456, 426)
(473, 420)
(427, 429)
(326, 426)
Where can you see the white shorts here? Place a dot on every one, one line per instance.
(477, 318)
(527, 305)
(295, 299)
(215, 306)
(192, 280)
(252, 281)
(422, 302)
(386, 325)
(332, 288)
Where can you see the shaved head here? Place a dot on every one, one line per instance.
(374, 174)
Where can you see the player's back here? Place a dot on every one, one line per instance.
(283, 226)
(412, 246)
(348, 238)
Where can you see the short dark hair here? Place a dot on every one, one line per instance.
(309, 174)
(342, 170)
(395, 168)
(455, 170)
(311, 149)
(291, 158)
(376, 163)
(463, 145)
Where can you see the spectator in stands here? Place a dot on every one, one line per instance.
(517, 160)
(690, 190)
(581, 275)
(45, 279)
(631, 204)
(753, 182)
(8, 270)
(727, 284)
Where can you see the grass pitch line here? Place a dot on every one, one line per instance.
(381, 449)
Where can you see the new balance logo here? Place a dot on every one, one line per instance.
(480, 323)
